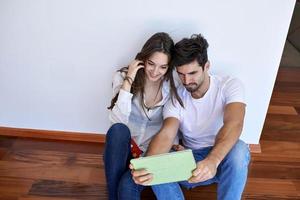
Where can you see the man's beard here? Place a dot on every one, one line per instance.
(192, 87)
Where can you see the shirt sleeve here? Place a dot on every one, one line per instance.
(234, 91)
(172, 109)
(121, 111)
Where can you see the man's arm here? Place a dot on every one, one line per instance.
(161, 143)
(163, 140)
(228, 135)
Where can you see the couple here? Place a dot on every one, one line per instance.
(149, 108)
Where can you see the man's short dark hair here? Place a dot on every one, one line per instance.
(189, 49)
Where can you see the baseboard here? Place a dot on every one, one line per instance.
(71, 136)
(50, 134)
(255, 148)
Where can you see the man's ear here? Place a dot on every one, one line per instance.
(207, 66)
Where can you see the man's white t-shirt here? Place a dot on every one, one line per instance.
(201, 119)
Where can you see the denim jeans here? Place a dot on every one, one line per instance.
(231, 174)
(119, 180)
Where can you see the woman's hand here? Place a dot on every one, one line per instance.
(141, 177)
(133, 67)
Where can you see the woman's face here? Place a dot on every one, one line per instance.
(156, 66)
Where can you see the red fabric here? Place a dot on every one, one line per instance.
(135, 150)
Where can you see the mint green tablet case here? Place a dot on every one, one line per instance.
(168, 167)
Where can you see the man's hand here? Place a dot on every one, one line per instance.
(206, 169)
(177, 147)
(141, 177)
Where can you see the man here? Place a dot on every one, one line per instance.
(211, 123)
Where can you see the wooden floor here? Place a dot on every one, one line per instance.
(32, 169)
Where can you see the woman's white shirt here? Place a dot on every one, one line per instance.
(142, 123)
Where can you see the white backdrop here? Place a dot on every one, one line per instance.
(57, 57)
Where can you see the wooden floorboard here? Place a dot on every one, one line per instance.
(269, 188)
(62, 189)
(14, 186)
(47, 157)
(33, 197)
(45, 169)
(53, 145)
(283, 110)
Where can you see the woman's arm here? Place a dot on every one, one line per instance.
(122, 83)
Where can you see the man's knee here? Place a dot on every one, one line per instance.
(168, 191)
(239, 156)
(166, 187)
(186, 184)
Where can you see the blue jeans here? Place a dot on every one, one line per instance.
(231, 174)
(119, 180)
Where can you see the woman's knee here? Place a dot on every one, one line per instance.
(118, 131)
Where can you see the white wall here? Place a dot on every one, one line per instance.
(57, 57)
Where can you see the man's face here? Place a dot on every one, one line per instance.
(192, 75)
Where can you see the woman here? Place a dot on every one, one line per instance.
(140, 92)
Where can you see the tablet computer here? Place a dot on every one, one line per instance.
(168, 167)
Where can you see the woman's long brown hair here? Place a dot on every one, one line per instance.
(159, 42)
